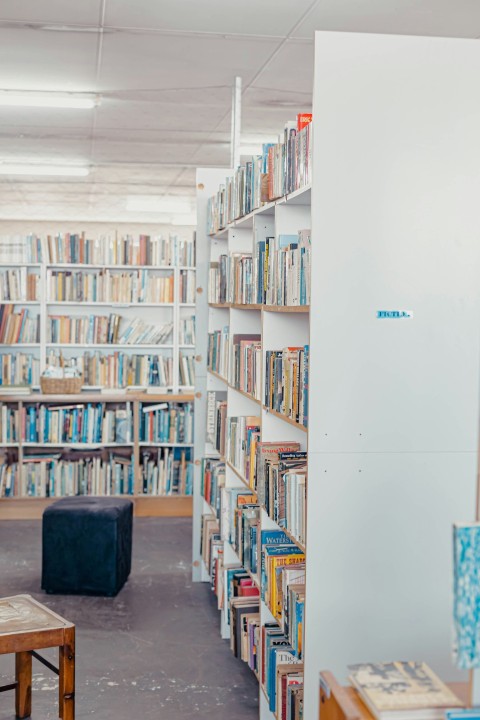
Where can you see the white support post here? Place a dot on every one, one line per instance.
(236, 123)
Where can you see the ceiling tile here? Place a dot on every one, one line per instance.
(42, 60)
(149, 63)
(402, 17)
(51, 11)
(269, 17)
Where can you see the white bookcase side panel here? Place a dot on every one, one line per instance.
(393, 404)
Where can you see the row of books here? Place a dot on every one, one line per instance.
(118, 369)
(269, 648)
(216, 419)
(19, 369)
(231, 280)
(57, 476)
(21, 327)
(9, 424)
(187, 286)
(217, 351)
(103, 250)
(186, 331)
(286, 382)
(238, 359)
(187, 370)
(281, 270)
(245, 363)
(281, 168)
(211, 482)
(136, 286)
(105, 330)
(80, 423)
(166, 423)
(277, 274)
(18, 284)
(167, 472)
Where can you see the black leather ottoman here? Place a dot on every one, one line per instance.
(87, 545)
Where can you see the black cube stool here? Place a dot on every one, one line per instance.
(87, 545)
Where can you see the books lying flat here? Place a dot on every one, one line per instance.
(401, 690)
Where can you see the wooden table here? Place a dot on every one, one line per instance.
(343, 703)
(25, 627)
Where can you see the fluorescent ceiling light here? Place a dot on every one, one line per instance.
(30, 98)
(55, 170)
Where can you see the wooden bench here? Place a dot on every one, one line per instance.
(25, 627)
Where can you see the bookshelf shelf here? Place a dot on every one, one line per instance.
(238, 474)
(219, 377)
(108, 346)
(19, 302)
(301, 309)
(245, 394)
(77, 446)
(146, 443)
(237, 306)
(20, 344)
(94, 303)
(85, 266)
(285, 419)
(221, 306)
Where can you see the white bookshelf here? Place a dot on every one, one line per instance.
(150, 312)
(393, 403)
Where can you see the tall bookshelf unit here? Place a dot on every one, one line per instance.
(112, 393)
(394, 347)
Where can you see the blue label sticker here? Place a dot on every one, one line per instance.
(395, 314)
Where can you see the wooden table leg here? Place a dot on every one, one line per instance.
(67, 676)
(23, 691)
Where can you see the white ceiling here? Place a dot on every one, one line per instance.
(164, 70)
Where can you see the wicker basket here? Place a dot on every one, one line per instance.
(61, 386)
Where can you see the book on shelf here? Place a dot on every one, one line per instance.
(166, 423)
(110, 286)
(186, 331)
(187, 369)
(18, 327)
(402, 690)
(10, 428)
(76, 248)
(18, 371)
(216, 419)
(245, 363)
(19, 284)
(212, 482)
(74, 473)
(109, 329)
(282, 270)
(80, 423)
(187, 286)
(282, 489)
(239, 433)
(167, 471)
(282, 168)
(218, 351)
(286, 382)
(118, 369)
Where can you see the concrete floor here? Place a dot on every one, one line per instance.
(152, 653)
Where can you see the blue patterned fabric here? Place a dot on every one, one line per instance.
(466, 606)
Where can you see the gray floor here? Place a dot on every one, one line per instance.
(152, 652)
